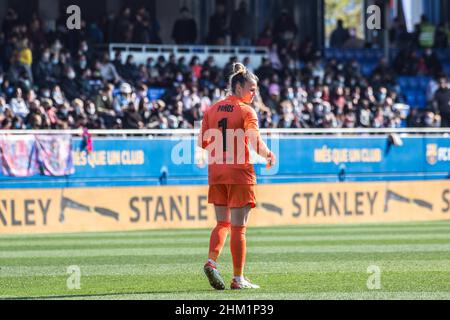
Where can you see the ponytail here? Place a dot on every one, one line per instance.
(240, 75)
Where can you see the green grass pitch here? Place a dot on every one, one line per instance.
(294, 262)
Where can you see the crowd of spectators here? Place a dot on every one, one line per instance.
(56, 80)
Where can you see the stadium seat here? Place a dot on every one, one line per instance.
(423, 82)
(421, 100)
(441, 54)
(413, 82)
(329, 53)
(155, 93)
(369, 55)
(411, 99)
(367, 68)
(447, 69)
(349, 54)
(379, 54)
(393, 54)
(373, 55)
(339, 54)
(359, 55)
(403, 83)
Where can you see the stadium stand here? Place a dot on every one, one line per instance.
(55, 80)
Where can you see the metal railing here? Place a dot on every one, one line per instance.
(221, 54)
(183, 49)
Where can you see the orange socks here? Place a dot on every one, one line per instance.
(237, 244)
(217, 240)
(238, 249)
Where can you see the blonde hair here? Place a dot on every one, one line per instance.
(240, 75)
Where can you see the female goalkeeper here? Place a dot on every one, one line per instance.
(227, 129)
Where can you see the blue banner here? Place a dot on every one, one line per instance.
(144, 161)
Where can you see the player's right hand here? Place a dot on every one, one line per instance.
(271, 160)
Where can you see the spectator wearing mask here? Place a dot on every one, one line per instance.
(84, 50)
(104, 105)
(15, 69)
(123, 99)
(69, 85)
(349, 116)
(43, 74)
(364, 115)
(131, 118)
(56, 66)
(58, 96)
(130, 69)
(6, 117)
(34, 119)
(383, 70)
(431, 120)
(274, 57)
(18, 104)
(93, 119)
(107, 70)
(307, 119)
(432, 63)
(431, 89)
(172, 66)
(329, 119)
(81, 64)
(413, 119)
(50, 113)
(196, 67)
(117, 62)
(78, 112)
(144, 109)
(3, 106)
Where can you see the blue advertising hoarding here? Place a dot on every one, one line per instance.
(143, 161)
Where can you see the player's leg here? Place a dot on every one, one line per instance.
(243, 200)
(217, 195)
(239, 218)
(219, 233)
(238, 244)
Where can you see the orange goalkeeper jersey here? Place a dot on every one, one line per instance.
(227, 128)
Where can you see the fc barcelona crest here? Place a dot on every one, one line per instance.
(432, 152)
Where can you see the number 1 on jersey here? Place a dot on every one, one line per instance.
(223, 124)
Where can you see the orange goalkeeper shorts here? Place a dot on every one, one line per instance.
(232, 195)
